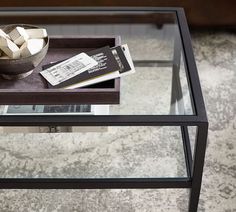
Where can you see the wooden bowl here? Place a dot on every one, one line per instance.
(22, 67)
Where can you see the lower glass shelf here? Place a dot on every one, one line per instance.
(92, 152)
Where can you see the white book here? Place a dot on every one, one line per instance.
(68, 68)
(92, 81)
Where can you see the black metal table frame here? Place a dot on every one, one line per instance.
(194, 162)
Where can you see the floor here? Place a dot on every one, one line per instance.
(215, 54)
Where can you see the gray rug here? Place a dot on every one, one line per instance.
(129, 153)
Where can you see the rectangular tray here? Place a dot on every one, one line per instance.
(33, 89)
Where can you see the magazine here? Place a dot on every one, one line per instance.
(56, 110)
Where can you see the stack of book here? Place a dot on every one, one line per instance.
(89, 68)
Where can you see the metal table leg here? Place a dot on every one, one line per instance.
(198, 163)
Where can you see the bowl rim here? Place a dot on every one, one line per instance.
(28, 25)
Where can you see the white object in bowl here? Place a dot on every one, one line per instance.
(9, 48)
(31, 47)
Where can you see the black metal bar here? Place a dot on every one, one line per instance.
(104, 183)
(189, 84)
(176, 89)
(180, 100)
(173, 99)
(97, 120)
(187, 150)
(191, 70)
(198, 163)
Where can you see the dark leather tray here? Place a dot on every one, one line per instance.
(34, 90)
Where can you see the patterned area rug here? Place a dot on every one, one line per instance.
(62, 155)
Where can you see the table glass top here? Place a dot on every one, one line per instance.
(160, 85)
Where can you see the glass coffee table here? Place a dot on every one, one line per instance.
(158, 109)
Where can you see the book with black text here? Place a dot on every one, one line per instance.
(120, 53)
(124, 71)
(106, 64)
